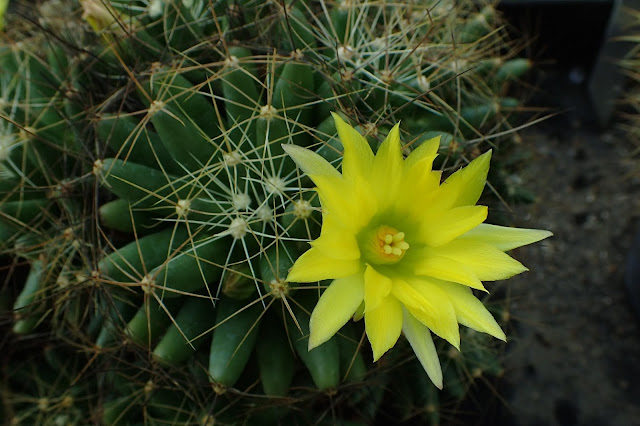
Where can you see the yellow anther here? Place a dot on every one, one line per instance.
(392, 242)
(398, 237)
(386, 245)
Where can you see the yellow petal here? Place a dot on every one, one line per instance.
(310, 162)
(505, 238)
(419, 187)
(387, 165)
(315, 266)
(431, 306)
(359, 314)
(335, 199)
(419, 183)
(424, 154)
(432, 265)
(337, 243)
(357, 157)
(364, 202)
(352, 203)
(383, 326)
(389, 155)
(346, 200)
(323, 174)
(336, 305)
(487, 262)
(421, 342)
(470, 311)
(464, 187)
(376, 288)
(451, 224)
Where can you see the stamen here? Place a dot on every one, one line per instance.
(388, 245)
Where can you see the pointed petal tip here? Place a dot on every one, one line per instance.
(437, 380)
(334, 309)
(496, 332)
(537, 235)
(337, 118)
(384, 326)
(289, 148)
(297, 275)
(394, 134)
(483, 158)
(291, 279)
(455, 343)
(521, 271)
(313, 343)
(315, 339)
(377, 355)
(291, 276)
(431, 146)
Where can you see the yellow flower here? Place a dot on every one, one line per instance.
(402, 248)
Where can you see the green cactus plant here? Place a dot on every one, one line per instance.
(199, 213)
(48, 385)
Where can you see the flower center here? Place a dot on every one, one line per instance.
(386, 245)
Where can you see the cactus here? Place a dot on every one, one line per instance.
(48, 385)
(162, 218)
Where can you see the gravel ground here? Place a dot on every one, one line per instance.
(574, 351)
